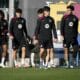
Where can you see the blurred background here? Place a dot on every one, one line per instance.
(29, 7)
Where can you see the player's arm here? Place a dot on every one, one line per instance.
(25, 30)
(54, 29)
(11, 29)
(62, 28)
(37, 29)
(77, 22)
(5, 32)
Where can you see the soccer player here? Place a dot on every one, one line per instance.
(44, 30)
(18, 34)
(40, 18)
(3, 37)
(69, 32)
(36, 35)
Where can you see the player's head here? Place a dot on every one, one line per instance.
(18, 12)
(70, 9)
(1, 14)
(40, 12)
(46, 11)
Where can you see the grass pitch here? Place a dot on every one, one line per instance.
(39, 74)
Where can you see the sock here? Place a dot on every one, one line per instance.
(51, 61)
(2, 60)
(41, 61)
(67, 63)
(15, 62)
(22, 61)
(32, 58)
(46, 63)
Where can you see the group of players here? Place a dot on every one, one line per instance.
(44, 37)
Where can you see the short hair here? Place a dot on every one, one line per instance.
(46, 8)
(18, 10)
(2, 13)
(40, 11)
(70, 7)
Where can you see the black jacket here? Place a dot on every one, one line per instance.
(45, 27)
(3, 28)
(69, 26)
(18, 28)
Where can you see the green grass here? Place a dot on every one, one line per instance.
(39, 74)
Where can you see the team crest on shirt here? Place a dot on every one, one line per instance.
(71, 24)
(74, 19)
(22, 21)
(50, 20)
(19, 26)
(47, 26)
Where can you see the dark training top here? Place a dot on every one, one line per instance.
(18, 28)
(3, 28)
(69, 26)
(44, 28)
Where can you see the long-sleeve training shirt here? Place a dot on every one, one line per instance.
(3, 28)
(69, 26)
(18, 28)
(45, 27)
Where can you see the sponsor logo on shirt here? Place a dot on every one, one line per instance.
(50, 20)
(19, 26)
(47, 26)
(71, 24)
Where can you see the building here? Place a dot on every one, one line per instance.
(30, 7)
(59, 9)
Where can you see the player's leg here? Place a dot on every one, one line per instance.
(32, 59)
(4, 50)
(52, 54)
(23, 47)
(50, 46)
(47, 57)
(75, 51)
(15, 57)
(23, 55)
(15, 48)
(66, 45)
(42, 49)
(4, 53)
(41, 56)
(66, 54)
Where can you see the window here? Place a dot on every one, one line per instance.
(4, 3)
(16, 3)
